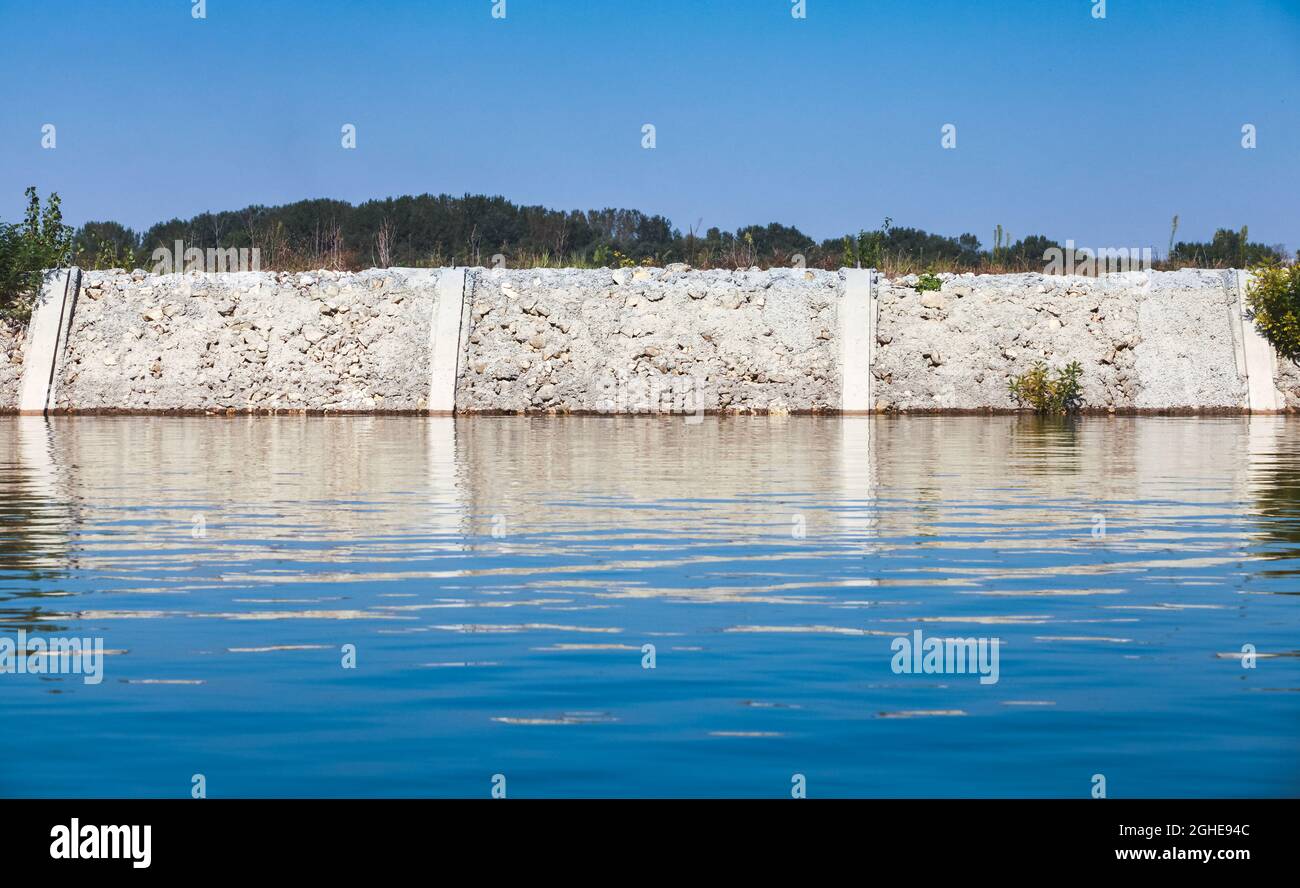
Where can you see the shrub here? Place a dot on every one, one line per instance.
(1274, 296)
(871, 245)
(40, 243)
(1045, 392)
(928, 281)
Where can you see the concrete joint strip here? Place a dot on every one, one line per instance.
(47, 339)
(1260, 360)
(857, 338)
(1236, 312)
(445, 340)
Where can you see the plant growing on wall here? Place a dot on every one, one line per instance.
(1047, 392)
(928, 281)
(41, 242)
(1274, 297)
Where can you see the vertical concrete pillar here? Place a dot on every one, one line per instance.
(857, 339)
(1258, 356)
(445, 340)
(47, 339)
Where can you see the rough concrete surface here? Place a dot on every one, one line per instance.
(1185, 358)
(1288, 382)
(651, 340)
(636, 340)
(1158, 340)
(250, 341)
(12, 339)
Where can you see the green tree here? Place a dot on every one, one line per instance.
(1226, 249)
(1274, 296)
(39, 243)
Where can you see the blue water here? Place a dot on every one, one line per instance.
(499, 578)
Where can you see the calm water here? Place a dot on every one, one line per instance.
(500, 576)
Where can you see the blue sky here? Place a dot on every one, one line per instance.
(1096, 130)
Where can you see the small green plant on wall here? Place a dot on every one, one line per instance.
(1274, 296)
(928, 281)
(1047, 392)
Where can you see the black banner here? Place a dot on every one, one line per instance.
(330, 837)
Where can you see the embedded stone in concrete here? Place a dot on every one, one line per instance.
(13, 337)
(652, 341)
(250, 342)
(1185, 357)
(1146, 340)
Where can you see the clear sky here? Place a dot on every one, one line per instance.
(1069, 126)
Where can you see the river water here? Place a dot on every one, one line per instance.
(396, 606)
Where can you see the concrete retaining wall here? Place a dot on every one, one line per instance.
(1146, 340)
(648, 340)
(644, 340)
(324, 341)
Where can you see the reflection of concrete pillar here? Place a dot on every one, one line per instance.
(1258, 356)
(857, 338)
(445, 340)
(446, 476)
(47, 340)
(1262, 491)
(1263, 434)
(46, 534)
(858, 479)
(36, 456)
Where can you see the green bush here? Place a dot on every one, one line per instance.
(871, 245)
(1046, 392)
(928, 281)
(41, 242)
(1274, 296)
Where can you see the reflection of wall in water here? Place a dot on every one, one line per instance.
(530, 469)
(289, 475)
(1050, 465)
(1274, 484)
(344, 483)
(41, 512)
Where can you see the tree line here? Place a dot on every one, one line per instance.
(437, 230)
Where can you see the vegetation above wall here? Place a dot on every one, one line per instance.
(437, 230)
